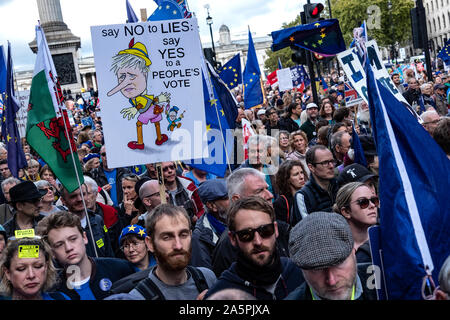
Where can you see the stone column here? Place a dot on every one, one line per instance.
(49, 11)
(94, 82)
(84, 81)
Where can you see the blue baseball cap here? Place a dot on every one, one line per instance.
(132, 229)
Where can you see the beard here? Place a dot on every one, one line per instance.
(364, 115)
(256, 261)
(175, 260)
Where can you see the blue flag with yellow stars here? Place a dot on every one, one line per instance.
(10, 133)
(445, 53)
(2, 77)
(231, 72)
(132, 18)
(323, 37)
(253, 95)
(170, 9)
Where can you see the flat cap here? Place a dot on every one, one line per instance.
(211, 190)
(320, 240)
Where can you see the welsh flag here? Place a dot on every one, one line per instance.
(48, 129)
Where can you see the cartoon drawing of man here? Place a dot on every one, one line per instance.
(131, 67)
(172, 117)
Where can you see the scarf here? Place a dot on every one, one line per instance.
(218, 226)
(256, 275)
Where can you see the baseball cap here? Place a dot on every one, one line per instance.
(211, 190)
(134, 229)
(320, 240)
(261, 111)
(354, 173)
(311, 105)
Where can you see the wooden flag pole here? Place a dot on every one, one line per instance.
(162, 188)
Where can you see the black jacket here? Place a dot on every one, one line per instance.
(105, 272)
(101, 237)
(286, 123)
(291, 278)
(99, 176)
(11, 225)
(225, 253)
(312, 198)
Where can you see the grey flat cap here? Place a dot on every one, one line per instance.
(320, 240)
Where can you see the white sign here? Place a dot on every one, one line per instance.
(86, 96)
(150, 85)
(354, 70)
(284, 79)
(402, 53)
(247, 132)
(22, 114)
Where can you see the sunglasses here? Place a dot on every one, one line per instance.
(247, 235)
(364, 202)
(171, 167)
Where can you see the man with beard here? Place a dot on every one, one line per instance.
(169, 230)
(212, 224)
(259, 269)
(83, 277)
(322, 245)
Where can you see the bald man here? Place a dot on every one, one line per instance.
(149, 195)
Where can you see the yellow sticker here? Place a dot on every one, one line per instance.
(28, 251)
(105, 228)
(100, 243)
(26, 233)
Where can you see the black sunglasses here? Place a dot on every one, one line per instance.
(171, 167)
(364, 202)
(247, 235)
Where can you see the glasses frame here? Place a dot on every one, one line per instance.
(326, 163)
(375, 200)
(251, 231)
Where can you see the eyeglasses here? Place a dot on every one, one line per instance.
(326, 163)
(134, 244)
(151, 195)
(171, 167)
(247, 235)
(364, 202)
(47, 189)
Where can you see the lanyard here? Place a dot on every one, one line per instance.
(352, 297)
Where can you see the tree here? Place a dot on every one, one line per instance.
(384, 25)
(271, 63)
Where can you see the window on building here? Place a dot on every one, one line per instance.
(443, 21)
(434, 24)
(439, 23)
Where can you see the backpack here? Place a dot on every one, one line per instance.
(150, 291)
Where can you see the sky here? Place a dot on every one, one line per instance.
(19, 17)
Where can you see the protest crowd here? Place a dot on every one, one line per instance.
(300, 232)
(290, 218)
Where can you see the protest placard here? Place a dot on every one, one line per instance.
(150, 84)
(284, 79)
(22, 115)
(353, 68)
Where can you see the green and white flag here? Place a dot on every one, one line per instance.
(48, 129)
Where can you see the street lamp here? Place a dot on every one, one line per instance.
(209, 22)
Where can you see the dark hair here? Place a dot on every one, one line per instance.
(322, 109)
(290, 108)
(164, 209)
(249, 203)
(340, 114)
(311, 153)
(45, 168)
(441, 134)
(284, 173)
(337, 126)
(3, 161)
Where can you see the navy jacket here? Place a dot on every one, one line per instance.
(101, 237)
(105, 272)
(291, 278)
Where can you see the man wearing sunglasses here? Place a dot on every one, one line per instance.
(319, 193)
(26, 200)
(321, 244)
(259, 269)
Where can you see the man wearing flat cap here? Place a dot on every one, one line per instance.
(26, 200)
(322, 246)
(208, 229)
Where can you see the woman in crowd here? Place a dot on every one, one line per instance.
(127, 211)
(358, 203)
(326, 112)
(27, 271)
(299, 146)
(132, 243)
(47, 174)
(290, 178)
(283, 143)
(33, 170)
(91, 161)
(47, 201)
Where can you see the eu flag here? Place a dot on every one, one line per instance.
(231, 72)
(414, 229)
(217, 127)
(358, 149)
(2, 77)
(253, 95)
(132, 18)
(10, 133)
(323, 37)
(170, 9)
(445, 53)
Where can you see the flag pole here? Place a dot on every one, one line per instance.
(62, 109)
(162, 187)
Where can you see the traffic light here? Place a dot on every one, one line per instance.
(417, 29)
(298, 55)
(313, 11)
